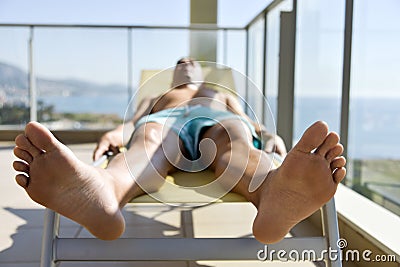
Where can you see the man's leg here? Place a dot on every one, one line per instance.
(144, 163)
(93, 197)
(305, 181)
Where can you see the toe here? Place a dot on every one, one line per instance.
(22, 154)
(313, 137)
(22, 180)
(21, 166)
(40, 136)
(339, 174)
(23, 143)
(334, 152)
(337, 163)
(330, 141)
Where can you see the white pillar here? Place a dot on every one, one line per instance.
(203, 44)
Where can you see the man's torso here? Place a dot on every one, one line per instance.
(186, 96)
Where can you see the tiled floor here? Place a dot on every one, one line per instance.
(21, 223)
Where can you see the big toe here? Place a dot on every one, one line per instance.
(313, 137)
(40, 136)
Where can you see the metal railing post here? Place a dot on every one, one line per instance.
(225, 47)
(287, 51)
(32, 78)
(130, 103)
(246, 96)
(345, 105)
(264, 79)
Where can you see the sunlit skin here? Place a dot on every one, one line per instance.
(308, 177)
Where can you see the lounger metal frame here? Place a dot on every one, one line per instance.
(56, 249)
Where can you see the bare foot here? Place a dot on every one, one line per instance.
(306, 180)
(53, 177)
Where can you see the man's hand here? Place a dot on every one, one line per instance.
(111, 140)
(273, 143)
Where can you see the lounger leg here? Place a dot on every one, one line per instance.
(331, 232)
(50, 232)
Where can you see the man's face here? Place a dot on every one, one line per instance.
(187, 71)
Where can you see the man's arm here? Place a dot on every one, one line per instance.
(144, 108)
(114, 139)
(235, 107)
(272, 142)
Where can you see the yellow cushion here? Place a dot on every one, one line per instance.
(190, 189)
(195, 188)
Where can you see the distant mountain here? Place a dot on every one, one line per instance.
(76, 87)
(14, 79)
(11, 76)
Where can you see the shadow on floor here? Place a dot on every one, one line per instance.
(26, 246)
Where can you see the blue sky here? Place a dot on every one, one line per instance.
(149, 12)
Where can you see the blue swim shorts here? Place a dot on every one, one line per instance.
(190, 122)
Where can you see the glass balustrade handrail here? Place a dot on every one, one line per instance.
(206, 27)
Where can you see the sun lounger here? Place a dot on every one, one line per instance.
(56, 249)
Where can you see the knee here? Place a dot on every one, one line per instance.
(236, 130)
(152, 135)
(148, 134)
(220, 164)
(238, 154)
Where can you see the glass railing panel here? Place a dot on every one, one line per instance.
(156, 49)
(272, 63)
(84, 76)
(319, 63)
(14, 77)
(232, 53)
(255, 68)
(374, 127)
(81, 77)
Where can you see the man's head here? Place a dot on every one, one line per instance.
(187, 71)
